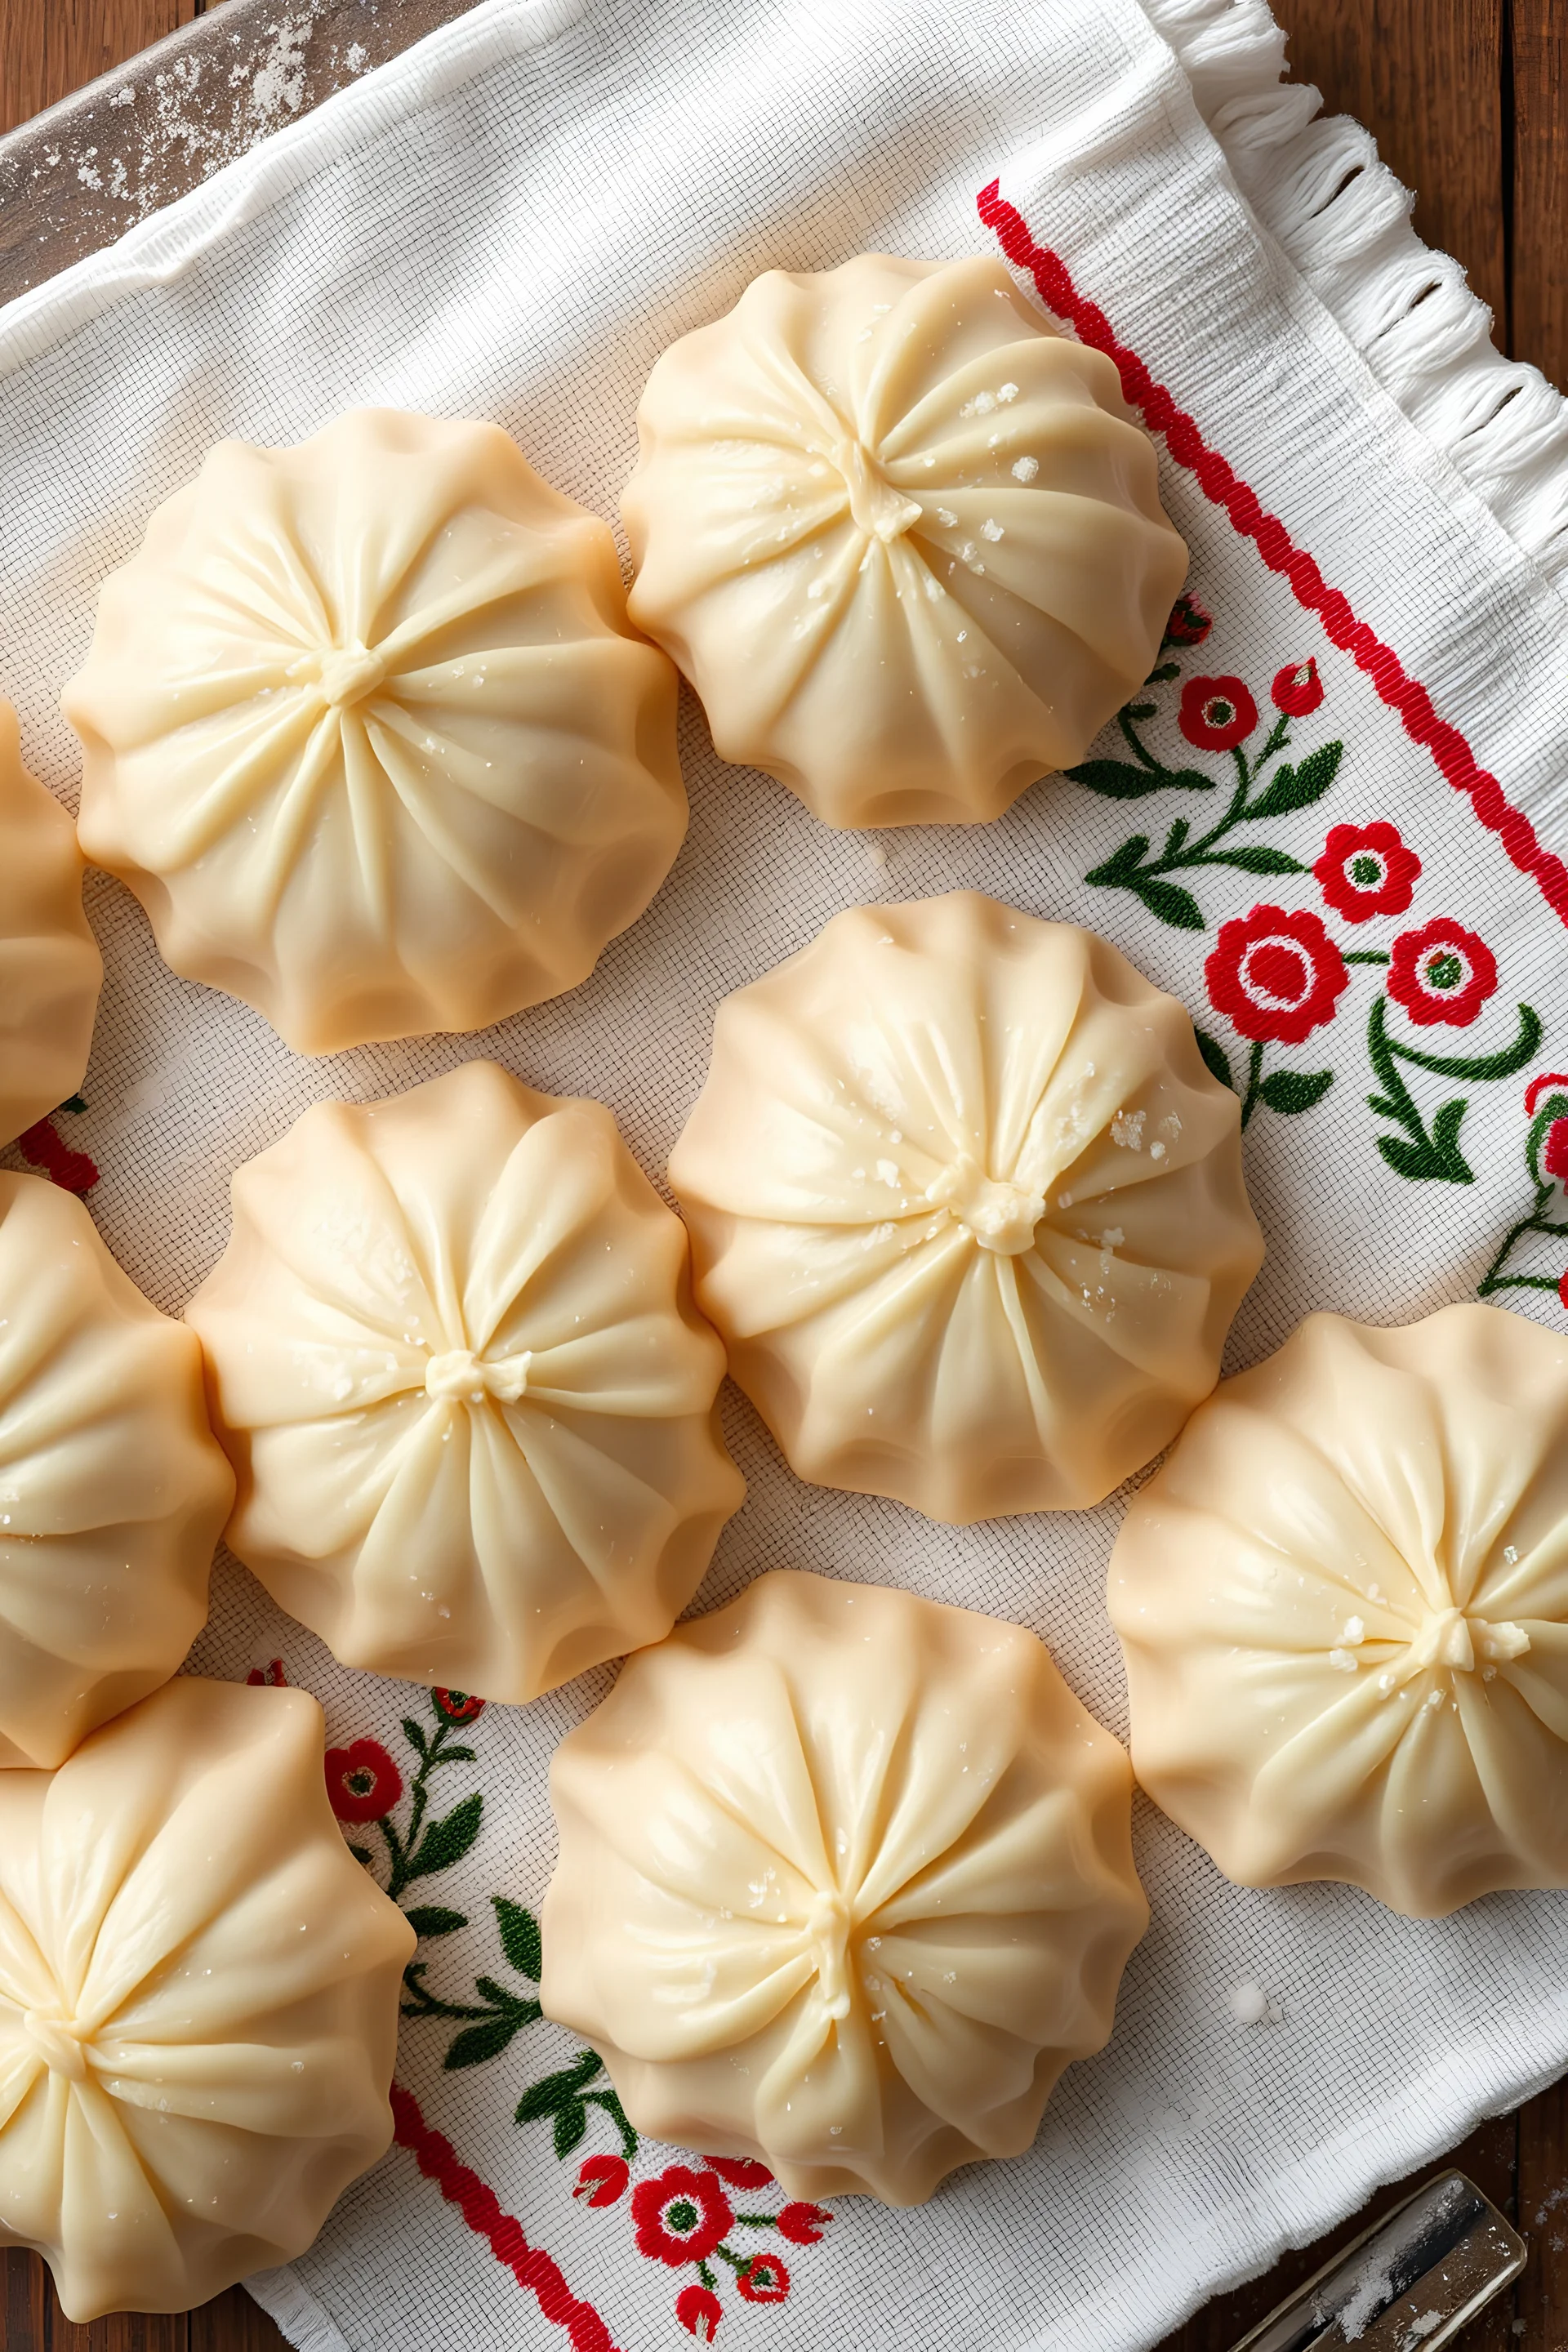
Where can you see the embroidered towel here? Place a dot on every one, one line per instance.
(1330, 824)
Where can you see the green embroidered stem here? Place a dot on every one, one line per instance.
(1254, 1076)
(1139, 749)
(411, 1855)
(1432, 1155)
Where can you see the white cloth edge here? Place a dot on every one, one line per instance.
(1317, 185)
(293, 2309)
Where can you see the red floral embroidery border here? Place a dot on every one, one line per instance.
(480, 2208)
(1224, 487)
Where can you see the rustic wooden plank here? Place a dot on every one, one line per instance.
(21, 63)
(1543, 2220)
(50, 47)
(1540, 30)
(1488, 2155)
(1426, 78)
(232, 2323)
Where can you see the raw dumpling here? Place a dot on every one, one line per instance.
(369, 735)
(967, 1208)
(1344, 1607)
(113, 1492)
(845, 1881)
(452, 1353)
(50, 969)
(198, 2001)
(904, 537)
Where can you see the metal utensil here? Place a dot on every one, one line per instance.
(1408, 2285)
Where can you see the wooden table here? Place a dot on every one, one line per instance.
(1468, 99)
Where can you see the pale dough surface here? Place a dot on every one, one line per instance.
(452, 1352)
(198, 2001)
(366, 730)
(113, 1492)
(845, 1881)
(904, 537)
(1343, 1604)
(50, 968)
(967, 1208)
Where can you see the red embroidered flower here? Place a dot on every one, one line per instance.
(1441, 973)
(602, 2179)
(763, 2280)
(1217, 713)
(1189, 624)
(698, 2313)
(681, 2216)
(457, 1706)
(740, 2171)
(1554, 1159)
(1277, 975)
(271, 1676)
(1296, 689)
(362, 1782)
(1367, 870)
(802, 2224)
(1562, 1291)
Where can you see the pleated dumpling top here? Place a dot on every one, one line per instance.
(845, 1881)
(198, 2001)
(452, 1352)
(367, 731)
(904, 537)
(50, 970)
(967, 1208)
(1343, 1602)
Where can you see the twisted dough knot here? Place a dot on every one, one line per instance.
(1448, 1638)
(351, 672)
(459, 1377)
(1001, 1216)
(827, 1925)
(58, 2043)
(876, 507)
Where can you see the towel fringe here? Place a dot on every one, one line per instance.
(1317, 185)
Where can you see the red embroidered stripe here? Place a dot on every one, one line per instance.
(44, 1147)
(480, 2208)
(1224, 487)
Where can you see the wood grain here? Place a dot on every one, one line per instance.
(50, 47)
(1539, 313)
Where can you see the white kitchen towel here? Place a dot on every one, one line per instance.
(1358, 898)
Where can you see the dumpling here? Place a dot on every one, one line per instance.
(50, 970)
(198, 2001)
(845, 1881)
(113, 1492)
(453, 1356)
(966, 1207)
(904, 537)
(1343, 1604)
(368, 734)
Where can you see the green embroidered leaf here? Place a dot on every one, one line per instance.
(415, 1734)
(456, 1756)
(499, 1998)
(1119, 780)
(1122, 865)
(360, 1853)
(1172, 904)
(430, 1919)
(1291, 1091)
(447, 1839)
(571, 2126)
(478, 2042)
(1164, 675)
(1445, 1143)
(1407, 1158)
(1254, 858)
(519, 1937)
(1481, 1067)
(1176, 838)
(1214, 1056)
(553, 2091)
(1139, 709)
(1296, 788)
